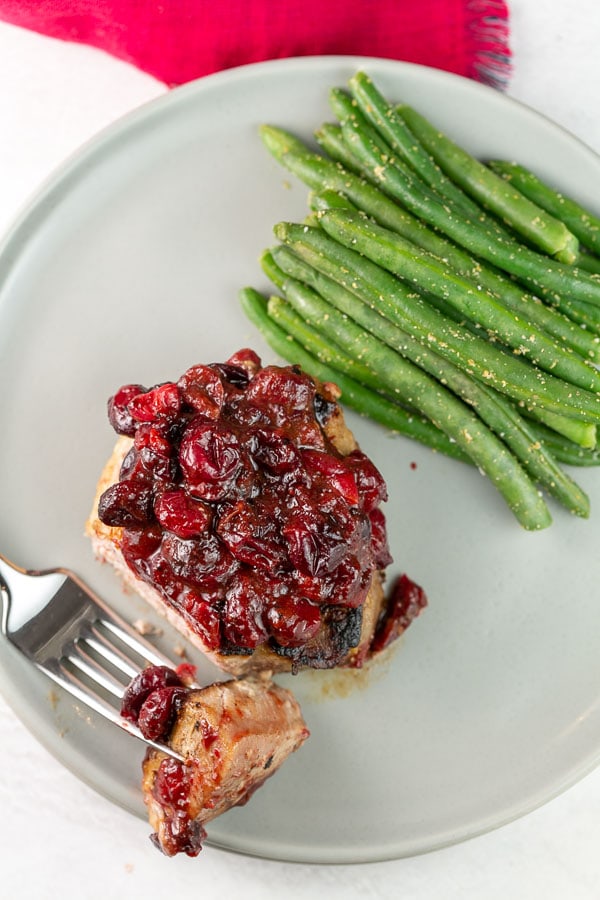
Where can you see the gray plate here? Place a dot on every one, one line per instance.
(126, 268)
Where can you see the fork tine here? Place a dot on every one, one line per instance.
(142, 648)
(108, 652)
(69, 681)
(84, 663)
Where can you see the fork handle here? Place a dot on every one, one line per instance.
(34, 588)
(7, 572)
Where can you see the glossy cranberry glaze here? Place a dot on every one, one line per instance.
(239, 510)
(153, 698)
(152, 701)
(171, 789)
(407, 600)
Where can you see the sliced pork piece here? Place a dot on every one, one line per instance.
(232, 736)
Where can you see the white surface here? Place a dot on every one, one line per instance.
(53, 98)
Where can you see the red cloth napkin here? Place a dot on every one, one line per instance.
(179, 40)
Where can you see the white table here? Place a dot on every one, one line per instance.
(57, 837)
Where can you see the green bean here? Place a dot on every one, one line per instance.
(422, 270)
(497, 413)
(577, 429)
(330, 139)
(564, 451)
(385, 119)
(586, 314)
(512, 376)
(319, 173)
(271, 269)
(541, 272)
(329, 199)
(345, 108)
(545, 231)
(550, 320)
(584, 434)
(335, 188)
(589, 263)
(580, 221)
(560, 318)
(353, 394)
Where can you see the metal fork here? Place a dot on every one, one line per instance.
(72, 636)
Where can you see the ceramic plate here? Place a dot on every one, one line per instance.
(126, 267)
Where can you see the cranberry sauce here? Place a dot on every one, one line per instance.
(152, 701)
(407, 600)
(153, 698)
(237, 508)
(172, 791)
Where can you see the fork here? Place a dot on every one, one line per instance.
(75, 639)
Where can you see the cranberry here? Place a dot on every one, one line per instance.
(274, 451)
(150, 440)
(314, 588)
(203, 389)
(236, 376)
(379, 542)
(171, 786)
(314, 546)
(337, 472)
(161, 404)
(203, 616)
(138, 544)
(158, 712)
(181, 835)
(347, 585)
(308, 434)
(159, 573)
(244, 611)
(210, 459)
(204, 560)
(371, 485)
(350, 583)
(125, 504)
(181, 514)
(245, 359)
(293, 621)
(252, 537)
(349, 521)
(148, 680)
(171, 789)
(132, 467)
(407, 600)
(119, 415)
(284, 392)
(154, 453)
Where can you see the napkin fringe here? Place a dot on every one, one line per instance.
(488, 33)
(474, 42)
